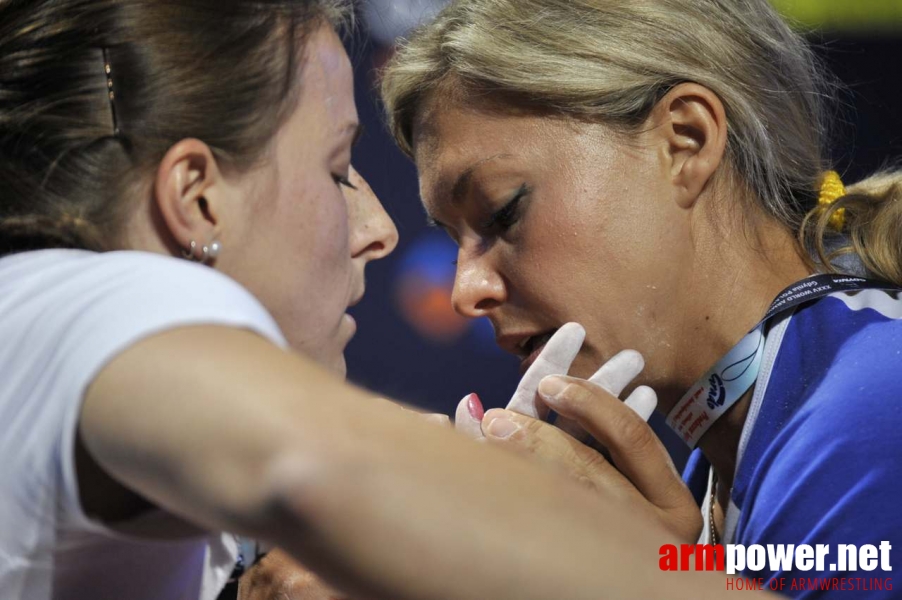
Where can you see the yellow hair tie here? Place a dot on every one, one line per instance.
(832, 189)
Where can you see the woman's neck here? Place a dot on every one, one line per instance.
(748, 277)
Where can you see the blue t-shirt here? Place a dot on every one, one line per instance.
(821, 454)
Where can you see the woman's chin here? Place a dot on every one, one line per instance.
(348, 328)
(340, 367)
(585, 364)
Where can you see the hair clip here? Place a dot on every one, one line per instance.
(108, 71)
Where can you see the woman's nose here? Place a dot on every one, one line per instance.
(478, 286)
(373, 233)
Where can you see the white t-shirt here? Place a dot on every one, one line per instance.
(64, 314)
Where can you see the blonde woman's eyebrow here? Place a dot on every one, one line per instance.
(459, 189)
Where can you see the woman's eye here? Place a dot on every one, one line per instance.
(506, 216)
(342, 180)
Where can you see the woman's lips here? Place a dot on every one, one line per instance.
(538, 344)
(527, 362)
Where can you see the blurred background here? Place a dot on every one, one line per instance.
(410, 344)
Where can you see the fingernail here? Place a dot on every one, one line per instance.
(502, 427)
(474, 405)
(551, 386)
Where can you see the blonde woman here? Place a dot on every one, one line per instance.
(658, 172)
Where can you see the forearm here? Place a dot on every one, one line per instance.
(257, 441)
(194, 418)
(463, 521)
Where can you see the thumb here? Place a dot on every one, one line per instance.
(468, 418)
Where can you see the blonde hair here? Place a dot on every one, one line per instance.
(611, 61)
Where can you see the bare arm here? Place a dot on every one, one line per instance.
(222, 428)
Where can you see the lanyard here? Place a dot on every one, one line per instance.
(732, 376)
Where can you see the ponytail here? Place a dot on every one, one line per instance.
(870, 218)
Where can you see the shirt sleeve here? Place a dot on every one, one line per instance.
(125, 297)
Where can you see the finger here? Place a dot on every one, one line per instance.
(437, 419)
(572, 428)
(468, 417)
(546, 443)
(635, 449)
(613, 376)
(619, 371)
(555, 359)
(390, 404)
(643, 401)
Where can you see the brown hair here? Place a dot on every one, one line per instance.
(222, 71)
(612, 60)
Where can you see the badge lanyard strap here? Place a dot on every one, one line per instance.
(732, 376)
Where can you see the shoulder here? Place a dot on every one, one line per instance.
(838, 371)
(89, 292)
(844, 313)
(840, 343)
(63, 268)
(828, 438)
(66, 315)
(845, 347)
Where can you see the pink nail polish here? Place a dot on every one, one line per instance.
(474, 405)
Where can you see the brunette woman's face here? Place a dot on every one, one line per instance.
(556, 221)
(315, 223)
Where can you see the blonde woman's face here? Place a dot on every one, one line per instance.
(556, 221)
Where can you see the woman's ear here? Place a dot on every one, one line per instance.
(692, 125)
(188, 191)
